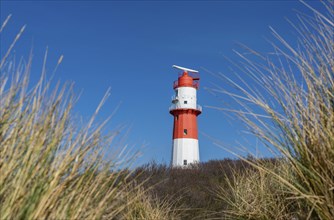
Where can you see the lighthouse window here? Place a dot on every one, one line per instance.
(185, 102)
(184, 162)
(185, 131)
(176, 117)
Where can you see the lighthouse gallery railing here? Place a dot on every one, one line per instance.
(198, 107)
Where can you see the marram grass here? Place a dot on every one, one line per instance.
(50, 168)
(287, 102)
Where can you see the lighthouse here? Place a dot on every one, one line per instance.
(185, 110)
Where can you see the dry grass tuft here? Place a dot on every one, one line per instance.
(148, 206)
(287, 101)
(49, 167)
(254, 195)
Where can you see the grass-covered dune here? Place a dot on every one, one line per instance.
(200, 190)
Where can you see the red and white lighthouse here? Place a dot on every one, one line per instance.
(185, 111)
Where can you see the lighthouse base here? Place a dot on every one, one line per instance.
(185, 152)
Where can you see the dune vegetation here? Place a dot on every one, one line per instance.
(54, 167)
(286, 99)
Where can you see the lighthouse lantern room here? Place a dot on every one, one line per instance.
(185, 110)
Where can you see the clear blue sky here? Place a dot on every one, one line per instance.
(130, 46)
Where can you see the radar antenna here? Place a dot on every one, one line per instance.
(185, 69)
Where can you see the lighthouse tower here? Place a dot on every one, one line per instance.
(185, 111)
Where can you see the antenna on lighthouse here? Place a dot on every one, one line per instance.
(185, 69)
